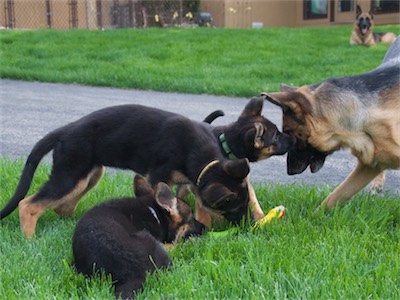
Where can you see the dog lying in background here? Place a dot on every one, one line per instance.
(123, 237)
(165, 146)
(363, 34)
(359, 112)
(253, 137)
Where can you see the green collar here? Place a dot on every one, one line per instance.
(226, 148)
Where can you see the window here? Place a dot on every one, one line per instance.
(345, 5)
(315, 9)
(385, 6)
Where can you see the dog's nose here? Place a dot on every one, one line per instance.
(197, 228)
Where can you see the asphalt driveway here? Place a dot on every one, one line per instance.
(28, 110)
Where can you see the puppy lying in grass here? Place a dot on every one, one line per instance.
(123, 237)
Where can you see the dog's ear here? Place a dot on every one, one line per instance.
(295, 102)
(253, 108)
(238, 169)
(141, 186)
(371, 13)
(165, 198)
(258, 138)
(358, 11)
(218, 195)
(287, 88)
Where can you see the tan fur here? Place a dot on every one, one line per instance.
(253, 202)
(203, 215)
(30, 212)
(266, 153)
(368, 39)
(371, 132)
(378, 183)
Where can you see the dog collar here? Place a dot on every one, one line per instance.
(226, 148)
(205, 169)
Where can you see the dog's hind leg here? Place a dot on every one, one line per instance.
(129, 288)
(378, 183)
(61, 193)
(31, 208)
(29, 213)
(358, 179)
(67, 208)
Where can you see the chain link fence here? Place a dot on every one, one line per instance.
(100, 14)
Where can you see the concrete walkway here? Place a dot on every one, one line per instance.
(29, 110)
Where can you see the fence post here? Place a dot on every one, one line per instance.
(115, 14)
(48, 13)
(87, 14)
(99, 14)
(131, 19)
(9, 14)
(73, 13)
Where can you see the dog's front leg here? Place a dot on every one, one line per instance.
(358, 179)
(253, 202)
(202, 215)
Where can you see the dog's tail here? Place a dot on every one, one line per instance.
(44, 146)
(211, 117)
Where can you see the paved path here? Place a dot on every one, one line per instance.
(28, 110)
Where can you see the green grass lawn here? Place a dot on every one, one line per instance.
(237, 62)
(348, 253)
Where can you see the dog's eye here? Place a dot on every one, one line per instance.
(275, 138)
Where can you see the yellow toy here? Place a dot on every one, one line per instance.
(276, 213)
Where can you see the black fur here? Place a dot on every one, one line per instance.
(241, 139)
(240, 135)
(123, 238)
(211, 117)
(146, 140)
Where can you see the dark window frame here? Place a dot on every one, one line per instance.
(386, 7)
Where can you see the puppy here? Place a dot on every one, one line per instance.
(363, 34)
(123, 237)
(166, 147)
(359, 112)
(253, 137)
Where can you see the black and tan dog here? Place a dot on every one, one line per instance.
(359, 112)
(253, 137)
(166, 147)
(123, 237)
(363, 33)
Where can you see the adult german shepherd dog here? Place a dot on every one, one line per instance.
(165, 146)
(363, 34)
(122, 237)
(359, 112)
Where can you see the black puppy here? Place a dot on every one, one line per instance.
(165, 146)
(122, 237)
(253, 137)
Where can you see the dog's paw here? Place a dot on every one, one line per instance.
(377, 184)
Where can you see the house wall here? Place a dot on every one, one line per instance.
(274, 13)
(31, 14)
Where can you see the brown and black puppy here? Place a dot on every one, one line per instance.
(165, 146)
(123, 237)
(358, 112)
(363, 33)
(253, 137)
